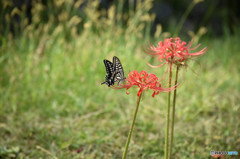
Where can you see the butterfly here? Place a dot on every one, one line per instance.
(114, 71)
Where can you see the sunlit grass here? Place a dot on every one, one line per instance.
(55, 101)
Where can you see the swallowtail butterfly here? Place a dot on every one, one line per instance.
(114, 72)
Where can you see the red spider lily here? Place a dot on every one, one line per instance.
(173, 50)
(144, 81)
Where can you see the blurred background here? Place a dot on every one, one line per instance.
(51, 69)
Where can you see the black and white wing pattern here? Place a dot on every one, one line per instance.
(110, 71)
(118, 73)
(114, 72)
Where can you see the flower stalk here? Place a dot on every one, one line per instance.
(168, 115)
(131, 129)
(173, 114)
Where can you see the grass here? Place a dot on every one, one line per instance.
(53, 105)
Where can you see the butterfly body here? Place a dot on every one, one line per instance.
(114, 71)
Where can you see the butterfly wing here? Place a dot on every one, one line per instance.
(110, 71)
(109, 68)
(118, 73)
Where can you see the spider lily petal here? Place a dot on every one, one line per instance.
(144, 81)
(173, 50)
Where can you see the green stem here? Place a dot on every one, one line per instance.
(168, 112)
(173, 114)
(131, 130)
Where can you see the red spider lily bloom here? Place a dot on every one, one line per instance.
(173, 50)
(144, 81)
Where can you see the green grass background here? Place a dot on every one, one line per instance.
(52, 103)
